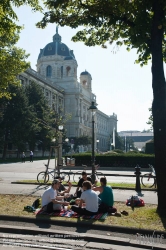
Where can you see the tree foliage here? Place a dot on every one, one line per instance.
(150, 121)
(136, 24)
(108, 21)
(27, 118)
(12, 59)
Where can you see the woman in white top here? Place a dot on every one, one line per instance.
(89, 197)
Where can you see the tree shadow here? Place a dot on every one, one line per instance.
(43, 221)
(163, 218)
(83, 225)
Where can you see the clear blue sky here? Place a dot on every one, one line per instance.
(120, 85)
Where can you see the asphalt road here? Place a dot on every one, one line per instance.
(28, 171)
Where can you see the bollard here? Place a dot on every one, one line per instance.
(137, 173)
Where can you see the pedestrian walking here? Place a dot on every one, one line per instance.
(31, 156)
(23, 157)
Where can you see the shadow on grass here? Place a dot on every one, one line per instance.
(163, 218)
(81, 225)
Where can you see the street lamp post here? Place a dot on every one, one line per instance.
(97, 145)
(93, 109)
(60, 128)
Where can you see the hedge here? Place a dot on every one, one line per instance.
(115, 160)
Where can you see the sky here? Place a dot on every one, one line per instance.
(121, 86)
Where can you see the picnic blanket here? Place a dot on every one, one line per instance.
(72, 214)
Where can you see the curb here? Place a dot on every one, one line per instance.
(127, 230)
(87, 237)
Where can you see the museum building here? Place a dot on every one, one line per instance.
(57, 75)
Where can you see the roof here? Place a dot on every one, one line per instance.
(85, 73)
(57, 48)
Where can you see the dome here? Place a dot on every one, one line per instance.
(57, 48)
(85, 73)
(68, 58)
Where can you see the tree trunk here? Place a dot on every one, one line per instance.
(4, 150)
(159, 104)
(5, 146)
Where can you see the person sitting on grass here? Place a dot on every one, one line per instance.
(50, 199)
(79, 189)
(62, 189)
(90, 198)
(106, 195)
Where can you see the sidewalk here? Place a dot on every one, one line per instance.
(80, 236)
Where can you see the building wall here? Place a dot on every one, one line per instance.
(57, 76)
(139, 138)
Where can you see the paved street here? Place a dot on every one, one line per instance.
(28, 171)
(68, 241)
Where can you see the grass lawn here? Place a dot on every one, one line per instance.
(142, 217)
(121, 184)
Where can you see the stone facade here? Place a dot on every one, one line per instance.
(57, 75)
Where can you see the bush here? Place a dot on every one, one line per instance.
(118, 151)
(116, 160)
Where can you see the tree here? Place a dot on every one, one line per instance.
(119, 142)
(42, 117)
(12, 59)
(150, 121)
(137, 24)
(16, 119)
(82, 140)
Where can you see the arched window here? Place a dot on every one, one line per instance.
(68, 70)
(48, 71)
(61, 71)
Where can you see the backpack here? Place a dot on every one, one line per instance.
(37, 203)
(135, 201)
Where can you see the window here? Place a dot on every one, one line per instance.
(84, 83)
(22, 81)
(48, 71)
(61, 71)
(49, 48)
(68, 70)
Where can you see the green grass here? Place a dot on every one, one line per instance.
(120, 184)
(143, 217)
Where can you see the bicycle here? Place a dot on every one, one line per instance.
(149, 179)
(79, 173)
(44, 176)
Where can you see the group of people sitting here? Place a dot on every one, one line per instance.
(85, 201)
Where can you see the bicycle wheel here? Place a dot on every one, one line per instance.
(65, 176)
(147, 180)
(43, 177)
(77, 176)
